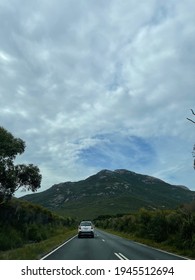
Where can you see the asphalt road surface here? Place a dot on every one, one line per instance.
(106, 246)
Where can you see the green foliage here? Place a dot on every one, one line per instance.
(10, 238)
(34, 251)
(10, 146)
(23, 223)
(175, 228)
(158, 227)
(36, 233)
(12, 177)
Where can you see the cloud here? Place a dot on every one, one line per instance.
(92, 85)
(113, 150)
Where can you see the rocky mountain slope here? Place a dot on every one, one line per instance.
(111, 192)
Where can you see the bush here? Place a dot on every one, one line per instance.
(36, 233)
(158, 227)
(22, 223)
(174, 227)
(10, 239)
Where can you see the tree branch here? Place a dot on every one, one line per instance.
(190, 120)
(192, 112)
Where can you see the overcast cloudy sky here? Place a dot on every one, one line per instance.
(96, 84)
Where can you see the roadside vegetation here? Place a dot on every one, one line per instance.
(27, 231)
(172, 230)
(36, 250)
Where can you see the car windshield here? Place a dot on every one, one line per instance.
(85, 223)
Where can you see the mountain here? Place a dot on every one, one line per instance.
(111, 192)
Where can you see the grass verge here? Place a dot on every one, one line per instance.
(36, 251)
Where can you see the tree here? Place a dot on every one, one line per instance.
(13, 177)
(193, 153)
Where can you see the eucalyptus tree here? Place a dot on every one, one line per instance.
(14, 176)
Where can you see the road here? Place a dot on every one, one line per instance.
(106, 246)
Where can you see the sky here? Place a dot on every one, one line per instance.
(92, 85)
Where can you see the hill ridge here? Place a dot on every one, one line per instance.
(111, 192)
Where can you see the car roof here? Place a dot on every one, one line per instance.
(83, 222)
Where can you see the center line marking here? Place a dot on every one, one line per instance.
(121, 256)
(125, 258)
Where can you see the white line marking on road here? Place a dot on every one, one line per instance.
(118, 256)
(121, 256)
(58, 248)
(125, 258)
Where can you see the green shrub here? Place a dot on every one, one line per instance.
(10, 239)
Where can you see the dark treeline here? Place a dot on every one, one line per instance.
(22, 222)
(174, 228)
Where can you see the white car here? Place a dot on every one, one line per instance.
(86, 228)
